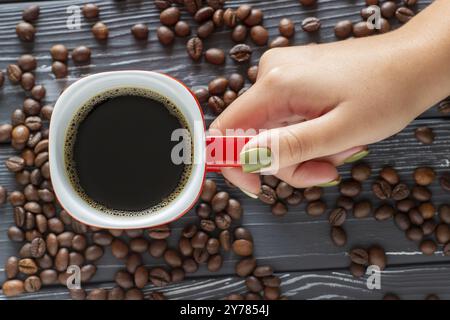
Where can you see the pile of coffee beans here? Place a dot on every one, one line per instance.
(361, 258)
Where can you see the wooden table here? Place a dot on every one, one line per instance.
(297, 246)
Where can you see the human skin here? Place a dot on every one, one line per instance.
(327, 102)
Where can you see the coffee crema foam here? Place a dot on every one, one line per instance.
(70, 139)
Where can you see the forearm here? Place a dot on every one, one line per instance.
(426, 54)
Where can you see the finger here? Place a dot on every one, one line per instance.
(249, 183)
(329, 134)
(348, 156)
(310, 173)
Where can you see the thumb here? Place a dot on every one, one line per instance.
(278, 148)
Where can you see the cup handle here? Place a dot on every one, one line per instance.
(223, 151)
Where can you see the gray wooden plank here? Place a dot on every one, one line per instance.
(292, 243)
(408, 283)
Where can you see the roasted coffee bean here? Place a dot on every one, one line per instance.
(59, 69)
(124, 279)
(253, 284)
(27, 81)
(388, 9)
(192, 5)
(242, 233)
(202, 94)
(170, 16)
(444, 107)
(159, 277)
(259, 35)
(424, 135)
(59, 52)
(177, 275)
(90, 10)
(160, 232)
(295, 198)
(87, 272)
(271, 281)
(31, 107)
(263, 271)
(350, 188)
(157, 248)
(38, 247)
(230, 18)
(242, 247)
(316, 208)
(141, 277)
(209, 190)
(357, 270)
(279, 42)
(243, 11)
(400, 192)
(27, 62)
(414, 233)
(20, 134)
(15, 163)
(240, 53)
(80, 294)
(139, 245)
(199, 240)
(362, 209)
(428, 227)
(446, 249)
(229, 96)
(205, 29)
(254, 18)
(421, 193)
(384, 212)
(203, 14)
(444, 181)
(377, 257)
(415, 217)
(442, 233)
(223, 221)
(404, 14)
(283, 190)
(279, 209)
(286, 27)
(185, 247)
(190, 266)
(427, 210)
(5, 132)
(382, 189)
(119, 249)
(81, 54)
(245, 267)
(13, 288)
(203, 210)
(218, 86)
(93, 253)
(236, 82)
(225, 240)
(182, 29)
(27, 266)
(16, 198)
(220, 201)
(311, 24)
(100, 31)
(12, 267)
(31, 13)
(207, 225)
(38, 92)
(338, 236)
(361, 172)
(359, 256)
(22, 178)
(215, 56)
(133, 261)
(48, 277)
(140, 31)
(267, 195)
(62, 260)
(252, 74)
(312, 193)
(361, 29)
(424, 176)
(17, 117)
(14, 73)
(444, 213)
(239, 33)
(402, 221)
(25, 31)
(343, 29)
(337, 217)
(428, 247)
(217, 18)
(97, 294)
(33, 123)
(76, 258)
(215, 263)
(212, 246)
(200, 256)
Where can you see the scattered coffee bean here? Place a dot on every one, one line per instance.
(362, 209)
(239, 33)
(337, 217)
(384, 212)
(382, 189)
(279, 42)
(90, 10)
(311, 24)
(100, 31)
(377, 257)
(25, 31)
(252, 73)
(170, 16)
(338, 236)
(59, 52)
(194, 48)
(254, 18)
(81, 54)
(360, 29)
(343, 29)
(424, 135)
(404, 14)
(428, 247)
(424, 176)
(241, 53)
(350, 188)
(359, 256)
(215, 56)
(259, 35)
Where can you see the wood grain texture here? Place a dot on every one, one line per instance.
(295, 244)
(407, 283)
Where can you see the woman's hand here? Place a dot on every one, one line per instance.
(327, 102)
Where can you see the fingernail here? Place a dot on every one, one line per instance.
(251, 195)
(357, 156)
(255, 159)
(333, 183)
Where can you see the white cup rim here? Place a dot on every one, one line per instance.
(86, 88)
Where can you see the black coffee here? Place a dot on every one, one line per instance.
(118, 152)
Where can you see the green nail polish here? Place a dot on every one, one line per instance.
(255, 159)
(357, 156)
(330, 184)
